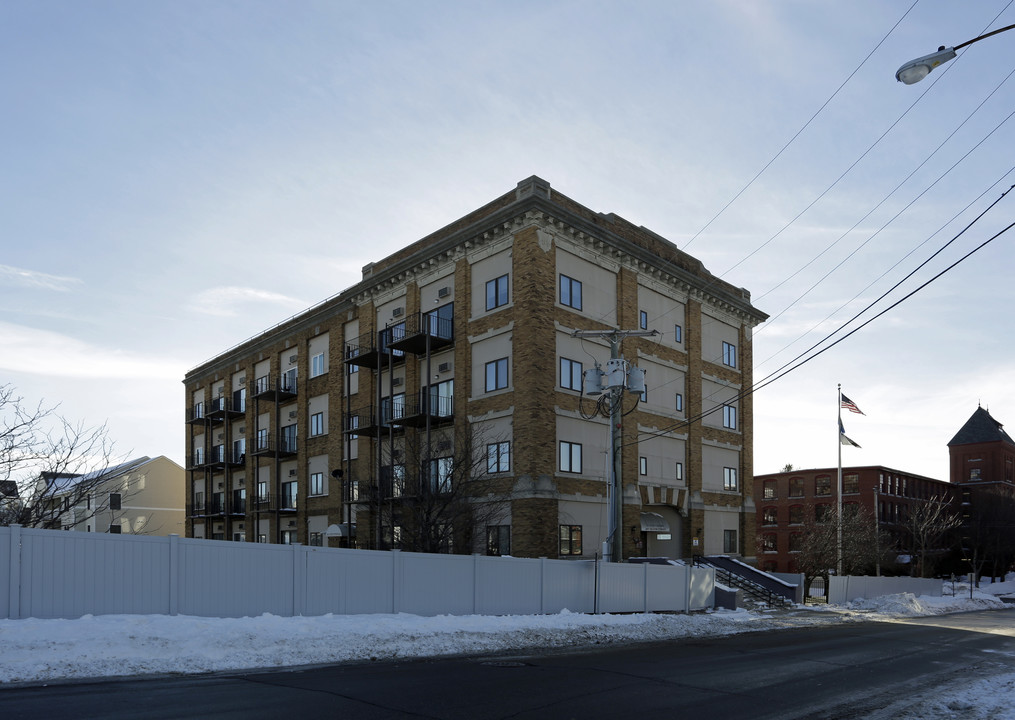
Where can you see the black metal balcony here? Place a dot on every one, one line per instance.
(266, 446)
(263, 503)
(216, 459)
(374, 350)
(429, 407)
(236, 458)
(271, 387)
(216, 505)
(196, 415)
(364, 421)
(287, 502)
(195, 509)
(238, 506)
(420, 331)
(221, 408)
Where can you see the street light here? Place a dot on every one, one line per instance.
(916, 70)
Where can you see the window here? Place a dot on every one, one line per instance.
(317, 424)
(317, 365)
(114, 501)
(317, 483)
(199, 456)
(729, 541)
(678, 334)
(823, 485)
(680, 402)
(289, 438)
(198, 410)
(570, 374)
(769, 491)
(796, 487)
(262, 538)
(643, 320)
(262, 491)
(353, 424)
(570, 292)
(288, 537)
(570, 539)
(729, 478)
(796, 514)
(498, 457)
(289, 495)
(769, 516)
(729, 354)
(316, 539)
(729, 417)
(974, 473)
(643, 465)
(796, 542)
(240, 400)
(570, 457)
(822, 512)
(850, 483)
(768, 542)
(497, 292)
(239, 501)
(262, 439)
(498, 539)
(680, 471)
(239, 450)
(441, 471)
(497, 374)
(115, 529)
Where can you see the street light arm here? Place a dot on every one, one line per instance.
(916, 70)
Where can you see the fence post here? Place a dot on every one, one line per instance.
(644, 586)
(299, 558)
(475, 583)
(542, 586)
(14, 591)
(174, 574)
(688, 572)
(396, 586)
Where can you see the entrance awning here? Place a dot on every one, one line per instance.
(654, 522)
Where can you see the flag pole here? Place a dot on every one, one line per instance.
(838, 493)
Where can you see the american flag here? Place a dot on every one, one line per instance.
(850, 405)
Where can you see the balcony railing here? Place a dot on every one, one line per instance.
(262, 503)
(421, 330)
(221, 408)
(435, 408)
(265, 446)
(272, 387)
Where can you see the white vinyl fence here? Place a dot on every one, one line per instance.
(847, 588)
(61, 574)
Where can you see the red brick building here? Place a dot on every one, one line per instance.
(786, 501)
(982, 453)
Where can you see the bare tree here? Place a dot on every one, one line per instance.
(438, 495)
(48, 464)
(927, 528)
(862, 544)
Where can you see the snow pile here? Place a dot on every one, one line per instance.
(113, 645)
(34, 650)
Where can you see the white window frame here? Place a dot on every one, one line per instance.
(317, 424)
(643, 465)
(680, 471)
(729, 479)
(679, 404)
(317, 365)
(317, 483)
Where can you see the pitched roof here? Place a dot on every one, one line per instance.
(981, 428)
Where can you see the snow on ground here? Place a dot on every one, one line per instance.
(33, 650)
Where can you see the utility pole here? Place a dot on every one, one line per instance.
(619, 376)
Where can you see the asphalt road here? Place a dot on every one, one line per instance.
(849, 670)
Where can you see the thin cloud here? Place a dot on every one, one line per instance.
(19, 277)
(225, 301)
(41, 352)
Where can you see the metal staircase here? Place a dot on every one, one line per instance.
(756, 585)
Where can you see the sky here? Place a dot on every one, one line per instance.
(179, 176)
(44, 651)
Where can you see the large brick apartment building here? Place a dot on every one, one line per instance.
(468, 333)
